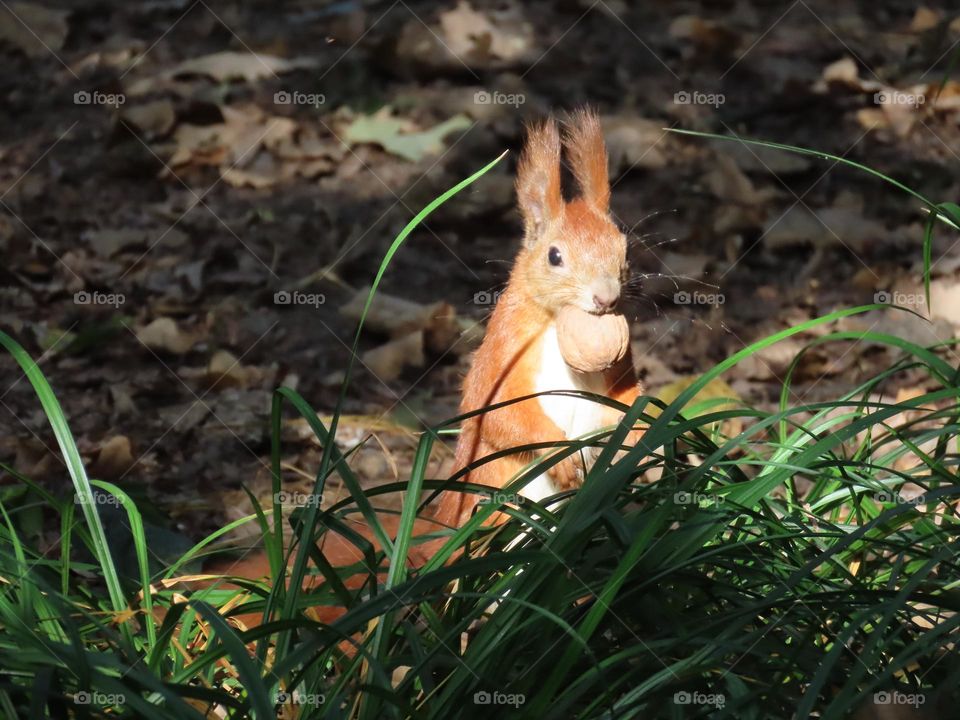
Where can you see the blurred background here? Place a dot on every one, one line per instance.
(194, 195)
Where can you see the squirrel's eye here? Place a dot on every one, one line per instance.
(553, 255)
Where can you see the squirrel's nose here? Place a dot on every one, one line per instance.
(604, 301)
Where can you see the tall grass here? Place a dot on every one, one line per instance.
(777, 572)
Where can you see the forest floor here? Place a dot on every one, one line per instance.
(191, 193)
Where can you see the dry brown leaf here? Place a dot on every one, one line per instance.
(945, 300)
(237, 146)
(474, 37)
(247, 66)
(842, 226)
(117, 52)
(634, 142)
(115, 458)
(388, 361)
(390, 314)
(224, 370)
(496, 38)
(164, 334)
(154, 119)
(106, 242)
(442, 331)
(843, 70)
(924, 19)
(263, 172)
(685, 266)
(33, 28)
(744, 206)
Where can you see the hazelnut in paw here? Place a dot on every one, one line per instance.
(591, 343)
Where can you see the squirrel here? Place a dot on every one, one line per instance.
(572, 254)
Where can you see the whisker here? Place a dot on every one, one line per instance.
(661, 243)
(639, 277)
(634, 298)
(649, 216)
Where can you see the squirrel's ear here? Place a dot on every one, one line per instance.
(588, 158)
(538, 179)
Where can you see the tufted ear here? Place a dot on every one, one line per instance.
(588, 158)
(538, 180)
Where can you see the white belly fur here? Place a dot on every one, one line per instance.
(575, 416)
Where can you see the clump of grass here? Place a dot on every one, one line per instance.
(774, 573)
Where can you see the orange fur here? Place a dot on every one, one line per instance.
(588, 158)
(506, 364)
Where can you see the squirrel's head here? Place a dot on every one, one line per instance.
(573, 253)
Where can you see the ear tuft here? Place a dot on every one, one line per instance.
(588, 157)
(538, 179)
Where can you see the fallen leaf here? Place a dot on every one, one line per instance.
(122, 400)
(33, 28)
(388, 361)
(474, 37)
(247, 66)
(224, 370)
(634, 142)
(844, 71)
(685, 266)
(945, 301)
(386, 131)
(118, 51)
(924, 19)
(389, 314)
(828, 227)
(237, 146)
(153, 119)
(114, 460)
(164, 334)
(744, 206)
(262, 172)
(109, 241)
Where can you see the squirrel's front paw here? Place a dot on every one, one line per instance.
(568, 473)
(636, 435)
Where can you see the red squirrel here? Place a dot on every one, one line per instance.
(572, 254)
